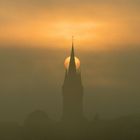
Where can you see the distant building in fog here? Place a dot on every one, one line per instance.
(72, 90)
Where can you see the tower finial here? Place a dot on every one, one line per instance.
(72, 41)
(72, 51)
(72, 65)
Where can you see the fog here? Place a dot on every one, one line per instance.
(32, 78)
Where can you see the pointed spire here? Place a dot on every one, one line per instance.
(72, 66)
(72, 50)
(72, 41)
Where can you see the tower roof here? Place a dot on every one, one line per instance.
(72, 65)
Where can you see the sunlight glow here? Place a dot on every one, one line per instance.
(67, 61)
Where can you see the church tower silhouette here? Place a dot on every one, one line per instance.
(72, 91)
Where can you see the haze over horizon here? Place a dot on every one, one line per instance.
(32, 79)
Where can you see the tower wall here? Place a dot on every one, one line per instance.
(72, 101)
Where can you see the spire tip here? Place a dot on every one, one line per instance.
(72, 41)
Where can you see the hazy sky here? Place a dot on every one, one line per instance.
(31, 77)
(101, 23)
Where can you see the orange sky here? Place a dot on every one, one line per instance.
(98, 25)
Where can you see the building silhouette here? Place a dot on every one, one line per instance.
(72, 91)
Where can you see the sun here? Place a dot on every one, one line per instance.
(67, 61)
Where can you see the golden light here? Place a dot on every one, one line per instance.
(67, 62)
(83, 31)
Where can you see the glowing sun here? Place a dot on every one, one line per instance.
(67, 61)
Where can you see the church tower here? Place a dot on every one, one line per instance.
(72, 90)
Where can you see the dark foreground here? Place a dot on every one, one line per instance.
(39, 127)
